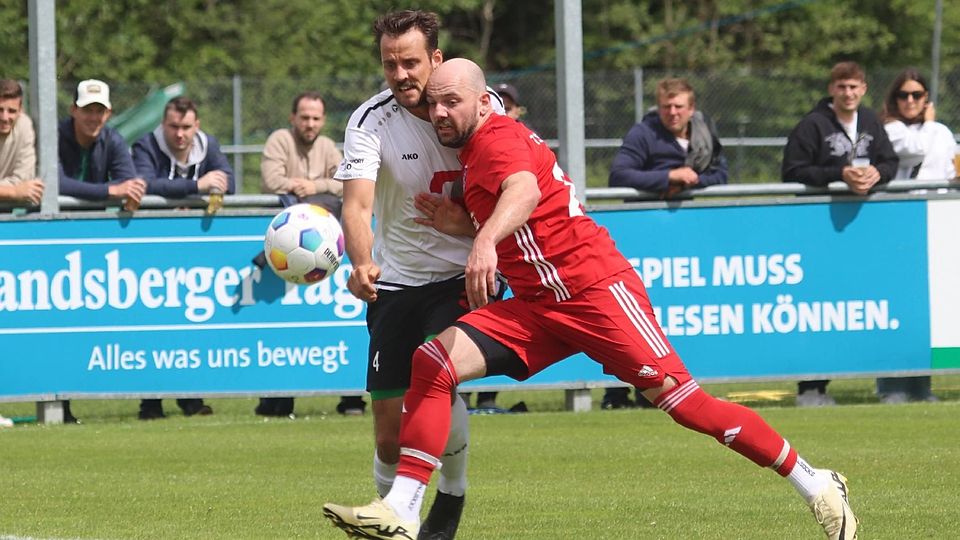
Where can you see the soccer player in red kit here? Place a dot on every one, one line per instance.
(573, 292)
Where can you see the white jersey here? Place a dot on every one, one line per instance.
(385, 143)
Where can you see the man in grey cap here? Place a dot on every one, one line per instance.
(511, 100)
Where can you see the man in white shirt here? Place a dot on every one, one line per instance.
(410, 275)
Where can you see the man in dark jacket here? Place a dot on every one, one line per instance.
(823, 147)
(95, 163)
(178, 159)
(672, 149)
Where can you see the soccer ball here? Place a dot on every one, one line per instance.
(303, 244)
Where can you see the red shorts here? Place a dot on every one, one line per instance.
(611, 322)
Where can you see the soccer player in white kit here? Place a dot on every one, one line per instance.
(573, 292)
(410, 275)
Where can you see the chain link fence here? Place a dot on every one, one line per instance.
(754, 110)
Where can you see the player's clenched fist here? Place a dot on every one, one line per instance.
(362, 280)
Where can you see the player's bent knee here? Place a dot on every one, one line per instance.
(431, 368)
(694, 409)
(653, 394)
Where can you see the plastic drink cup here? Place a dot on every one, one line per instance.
(214, 201)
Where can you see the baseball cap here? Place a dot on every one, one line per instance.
(505, 89)
(93, 91)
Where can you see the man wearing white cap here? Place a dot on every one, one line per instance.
(95, 163)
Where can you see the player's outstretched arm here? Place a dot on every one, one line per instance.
(358, 236)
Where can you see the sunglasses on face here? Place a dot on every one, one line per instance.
(901, 95)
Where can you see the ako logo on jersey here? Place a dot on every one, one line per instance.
(407, 157)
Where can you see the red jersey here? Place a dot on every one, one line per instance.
(559, 251)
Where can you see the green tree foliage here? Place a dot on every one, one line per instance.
(162, 40)
(757, 65)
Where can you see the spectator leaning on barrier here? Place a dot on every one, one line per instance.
(926, 149)
(822, 149)
(298, 164)
(823, 146)
(513, 109)
(301, 162)
(18, 157)
(178, 159)
(95, 162)
(673, 148)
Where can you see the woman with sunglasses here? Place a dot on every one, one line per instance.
(926, 148)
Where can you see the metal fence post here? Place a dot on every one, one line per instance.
(238, 131)
(638, 93)
(935, 53)
(737, 168)
(572, 155)
(43, 97)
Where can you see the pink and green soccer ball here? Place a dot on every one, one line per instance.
(304, 244)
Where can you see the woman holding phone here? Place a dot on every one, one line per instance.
(926, 148)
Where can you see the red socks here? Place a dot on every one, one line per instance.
(736, 426)
(426, 419)
(425, 424)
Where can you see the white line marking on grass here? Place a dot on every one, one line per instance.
(15, 537)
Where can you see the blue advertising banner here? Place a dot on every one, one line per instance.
(167, 305)
(792, 290)
(170, 305)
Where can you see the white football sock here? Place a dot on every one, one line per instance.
(383, 475)
(453, 474)
(406, 498)
(808, 482)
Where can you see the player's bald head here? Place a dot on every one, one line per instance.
(458, 101)
(460, 74)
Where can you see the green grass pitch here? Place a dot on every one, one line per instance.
(546, 474)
